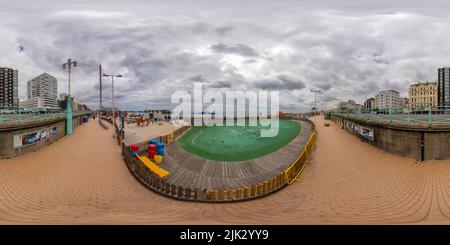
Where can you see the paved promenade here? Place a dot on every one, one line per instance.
(82, 179)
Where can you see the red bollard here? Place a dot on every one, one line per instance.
(151, 151)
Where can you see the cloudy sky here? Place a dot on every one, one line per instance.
(348, 49)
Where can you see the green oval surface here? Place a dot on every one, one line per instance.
(237, 143)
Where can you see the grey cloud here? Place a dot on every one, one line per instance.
(348, 50)
(224, 30)
(291, 83)
(239, 49)
(327, 98)
(324, 86)
(220, 84)
(281, 82)
(197, 78)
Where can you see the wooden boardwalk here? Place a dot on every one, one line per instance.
(190, 171)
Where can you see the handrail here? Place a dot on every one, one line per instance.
(296, 168)
(429, 119)
(21, 118)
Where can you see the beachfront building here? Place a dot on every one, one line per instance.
(405, 105)
(44, 87)
(369, 105)
(35, 102)
(423, 96)
(158, 114)
(350, 105)
(9, 95)
(63, 96)
(444, 86)
(388, 101)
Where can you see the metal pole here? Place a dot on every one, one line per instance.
(69, 110)
(315, 107)
(429, 117)
(70, 65)
(112, 81)
(100, 77)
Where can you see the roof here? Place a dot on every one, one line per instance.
(425, 83)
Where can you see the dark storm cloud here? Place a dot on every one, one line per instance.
(220, 84)
(281, 82)
(224, 30)
(291, 83)
(239, 49)
(324, 86)
(197, 78)
(327, 98)
(350, 49)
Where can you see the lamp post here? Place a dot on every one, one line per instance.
(112, 93)
(315, 91)
(68, 66)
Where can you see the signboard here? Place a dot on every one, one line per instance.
(21, 140)
(363, 131)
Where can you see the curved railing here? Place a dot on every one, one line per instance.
(296, 168)
(155, 183)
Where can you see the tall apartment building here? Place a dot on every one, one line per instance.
(370, 105)
(63, 96)
(423, 96)
(444, 86)
(388, 101)
(9, 87)
(44, 87)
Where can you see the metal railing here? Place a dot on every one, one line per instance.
(427, 116)
(21, 115)
(296, 168)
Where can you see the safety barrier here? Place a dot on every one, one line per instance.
(162, 186)
(296, 168)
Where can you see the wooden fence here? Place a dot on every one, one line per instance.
(154, 182)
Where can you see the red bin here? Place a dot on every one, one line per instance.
(134, 148)
(151, 150)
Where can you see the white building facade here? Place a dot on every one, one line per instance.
(389, 101)
(35, 102)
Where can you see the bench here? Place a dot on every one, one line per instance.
(153, 167)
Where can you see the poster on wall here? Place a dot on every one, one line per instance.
(363, 131)
(367, 133)
(21, 140)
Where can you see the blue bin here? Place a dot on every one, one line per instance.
(160, 149)
(155, 142)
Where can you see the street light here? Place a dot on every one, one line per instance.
(315, 91)
(68, 65)
(112, 85)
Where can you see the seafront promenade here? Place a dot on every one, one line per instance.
(82, 179)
